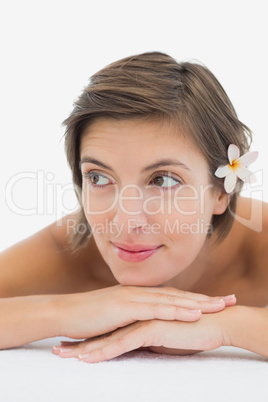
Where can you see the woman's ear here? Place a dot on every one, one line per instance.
(222, 201)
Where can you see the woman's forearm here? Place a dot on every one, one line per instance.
(27, 319)
(246, 328)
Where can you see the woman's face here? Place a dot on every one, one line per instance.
(145, 185)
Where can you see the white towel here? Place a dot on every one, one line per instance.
(33, 373)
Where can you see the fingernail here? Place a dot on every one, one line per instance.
(83, 356)
(195, 311)
(63, 350)
(217, 301)
(229, 297)
(56, 347)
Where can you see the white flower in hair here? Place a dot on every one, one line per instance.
(237, 167)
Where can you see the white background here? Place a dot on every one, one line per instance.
(49, 50)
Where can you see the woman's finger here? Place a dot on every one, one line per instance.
(159, 291)
(171, 308)
(88, 345)
(68, 346)
(161, 311)
(119, 343)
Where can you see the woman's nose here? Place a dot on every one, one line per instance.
(129, 208)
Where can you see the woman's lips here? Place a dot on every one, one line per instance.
(134, 256)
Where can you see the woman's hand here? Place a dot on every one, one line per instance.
(90, 314)
(171, 337)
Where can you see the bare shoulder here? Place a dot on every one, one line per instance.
(40, 263)
(252, 215)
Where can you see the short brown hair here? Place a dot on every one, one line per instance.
(156, 86)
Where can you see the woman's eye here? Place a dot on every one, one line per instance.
(96, 179)
(165, 181)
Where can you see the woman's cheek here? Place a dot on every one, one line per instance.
(189, 224)
(98, 202)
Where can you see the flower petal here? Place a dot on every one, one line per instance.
(243, 173)
(251, 179)
(222, 171)
(233, 152)
(230, 182)
(248, 158)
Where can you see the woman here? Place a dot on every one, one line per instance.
(157, 155)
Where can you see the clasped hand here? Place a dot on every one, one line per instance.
(119, 319)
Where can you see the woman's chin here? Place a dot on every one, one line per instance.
(141, 281)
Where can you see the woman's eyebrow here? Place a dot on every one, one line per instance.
(155, 165)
